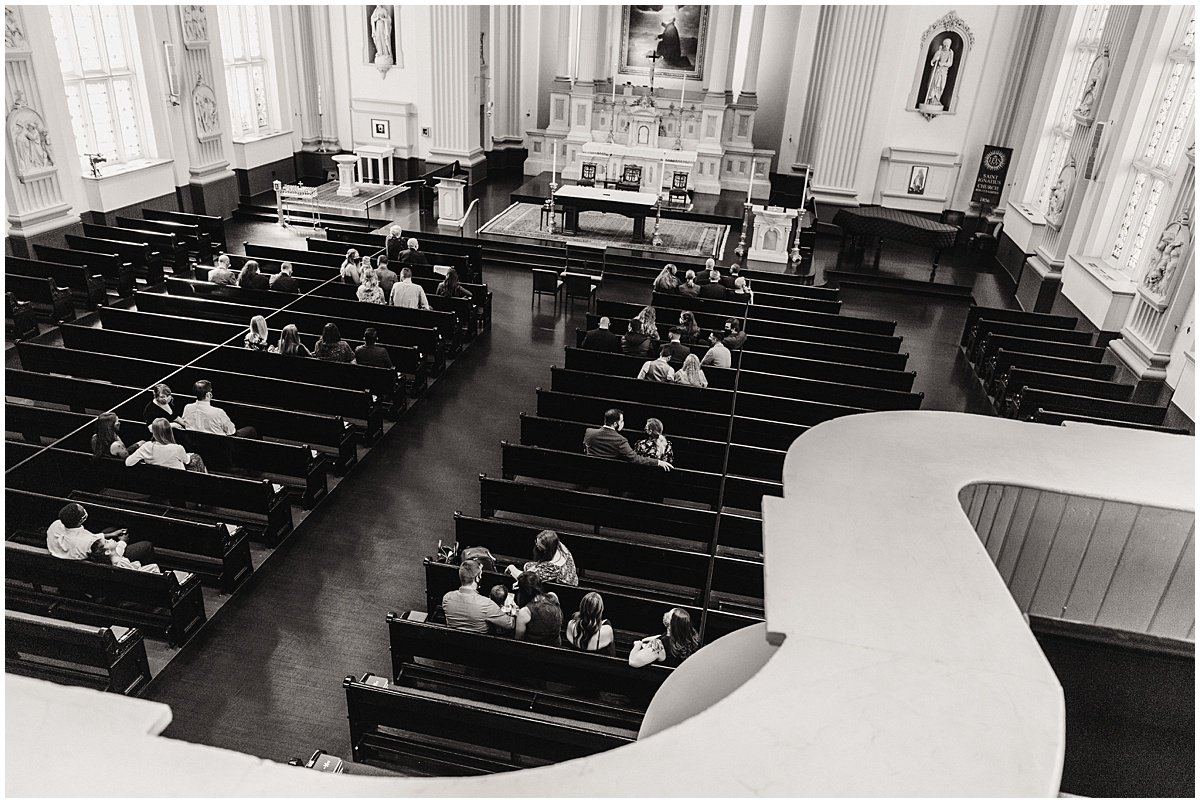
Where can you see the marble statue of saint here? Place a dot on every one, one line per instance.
(32, 143)
(941, 63)
(1167, 255)
(381, 31)
(1059, 193)
(1086, 110)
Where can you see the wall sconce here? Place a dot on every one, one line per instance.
(172, 73)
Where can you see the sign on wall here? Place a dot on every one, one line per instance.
(993, 171)
(676, 34)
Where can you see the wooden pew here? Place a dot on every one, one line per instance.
(1017, 380)
(830, 367)
(460, 262)
(304, 468)
(781, 305)
(20, 321)
(1034, 399)
(212, 225)
(704, 455)
(1041, 333)
(991, 344)
(118, 273)
(976, 314)
(1058, 419)
(109, 659)
(87, 288)
(190, 243)
(82, 591)
(218, 553)
(147, 264)
(433, 241)
(602, 558)
(460, 737)
(50, 301)
(1004, 360)
(757, 312)
(330, 432)
(166, 249)
(603, 511)
(521, 661)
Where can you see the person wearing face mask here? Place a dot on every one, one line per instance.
(161, 405)
(607, 441)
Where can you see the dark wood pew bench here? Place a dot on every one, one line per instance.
(1058, 419)
(552, 404)
(176, 246)
(975, 314)
(824, 390)
(165, 249)
(1004, 360)
(830, 367)
(138, 254)
(195, 242)
(1034, 399)
(1017, 380)
(87, 288)
(669, 394)
(79, 590)
(110, 659)
(1041, 333)
(212, 225)
(990, 344)
(218, 553)
(758, 312)
(50, 301)
(118, 273)
(20, 321)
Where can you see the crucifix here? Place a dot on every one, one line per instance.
(654, 57)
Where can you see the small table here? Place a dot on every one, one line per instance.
(374, 163)
(893, 224)
(636, 205)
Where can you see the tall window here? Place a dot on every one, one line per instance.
(1061, 126)
(1156, 165)
(249, 78)
(97, 49)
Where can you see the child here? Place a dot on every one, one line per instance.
(504, 599)
(102, 554)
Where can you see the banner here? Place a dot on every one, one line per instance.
(993, 170)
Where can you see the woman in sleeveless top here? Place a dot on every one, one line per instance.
(677, 642)
(552, 561)
(539, 618)
(588, 630)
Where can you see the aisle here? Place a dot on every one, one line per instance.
(265, 676)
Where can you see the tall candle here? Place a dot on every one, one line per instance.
(554, 164)
(664, 171)
(682, 90)
(750, 192)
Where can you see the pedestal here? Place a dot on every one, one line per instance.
(346, 164)
(772, 230)
(451, 194)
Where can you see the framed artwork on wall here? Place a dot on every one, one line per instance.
(676, 34)
(917, 178)
(381, 129)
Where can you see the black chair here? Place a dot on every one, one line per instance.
(631, 178)
(986, 242)
(954, 217)
(546, 281)
(549, 209)
(580, 285)
(679, 190)
(587, 174)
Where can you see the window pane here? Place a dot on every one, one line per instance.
(1128, 216)
(127, 113)
(87, 38)
(245, 100)
(78, 121)
(1139, 240)
(102, 123)
(258, 78)
(252, 34)
(237, 36)
(1182, 116)
(114, 35)
(223, 15)
(1160, 116)
(60, 23)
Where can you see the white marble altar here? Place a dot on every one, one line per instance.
(772, 230)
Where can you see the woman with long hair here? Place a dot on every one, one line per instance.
(667, 281)
(691, 373)
(106, 442)
(250, 278)
(588, 630)
(369, 291)
(655, 444)
(451, 288)
(690, 329)
(331, 347)
(351, 269)
(161, 449)
(552, 561)
(678, 641)
(256, 338)
(289, 343)
(539, 616)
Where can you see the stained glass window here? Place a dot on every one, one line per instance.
(249, 74)
(96, 47)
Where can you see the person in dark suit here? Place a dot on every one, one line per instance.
(283, 281)
(394, 244)
(600, 339)
(730, 281)
(607, 441)
(734, 338)
(412, 255)
(371, 353)
(251, 279)
(713, 289)
(679, 352)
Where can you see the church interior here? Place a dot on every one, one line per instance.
(597, 400)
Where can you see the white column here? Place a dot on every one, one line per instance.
(456, 134)
(846, 74)
(323, 57)
(723, 24)
(506, 75)
(33, 189)
(748, 94)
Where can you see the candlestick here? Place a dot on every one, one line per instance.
(682, 90)
(663, 174)
(750, 192)
(554, 162)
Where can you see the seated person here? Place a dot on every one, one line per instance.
(351, 267)
(689, 328)
(251, 279)
(588, 630)
(331, 347)
(741, 291)
(370, 353)
(467, 609)
(394, 243)
(659, 370)
(655, 445)
(256, 338)
(289, 343)
(67, 539)
(162, 450)
(713, 289)
(678, 641)
(636, 341)
(667, 281)
(691, 373)
(101, 554)
(552, 561)
(412, 255)
(601, 339)
(451, 288)
(160, 406)
(505, 600)
(689, 287)
(409, 295)
(539, 615)
(284, 281)
(370, 291)
(222, 272)
(734, 338)
(106, 442)
(204, 416)
(387, 276)
(607, 441)
(730, 280)
(678, 351)
(718, 355)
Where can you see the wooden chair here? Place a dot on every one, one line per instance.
(631, 178)
(678, 193)
(587, 174)
(546, 281)
(580, 285)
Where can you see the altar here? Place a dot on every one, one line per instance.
(636, 168)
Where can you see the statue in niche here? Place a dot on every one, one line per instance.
(1085, 112)
(381, 37)
(195, 26)
(1167, 255)
(1060, 193)
(30, 138)
(942, 61)
(945, 46)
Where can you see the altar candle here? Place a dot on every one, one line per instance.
(682, 92)
(664, 171)
(614, 96)
(554, 163)
(750, 192)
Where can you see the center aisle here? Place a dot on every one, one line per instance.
(265, 677)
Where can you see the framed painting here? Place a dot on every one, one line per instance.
(677, 35)
(380, 128)
(917, 178)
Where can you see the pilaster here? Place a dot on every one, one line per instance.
(506, 76)
(456, 134)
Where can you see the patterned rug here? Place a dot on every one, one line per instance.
(605, 229)
(369, 196)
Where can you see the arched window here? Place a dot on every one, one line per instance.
(249, 69)
(98, 55)
(1060, 125)
(1156, 166)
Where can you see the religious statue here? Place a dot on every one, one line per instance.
(1167, 255)
(1085, 112)
(30, 138)
(381, 33)
(14, 36)
(1056, 204)
(942, 61)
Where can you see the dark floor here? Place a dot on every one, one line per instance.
(264, 677)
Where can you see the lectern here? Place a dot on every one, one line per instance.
(772, 230)
(451, 194)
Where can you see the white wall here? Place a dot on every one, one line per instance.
(775, 90)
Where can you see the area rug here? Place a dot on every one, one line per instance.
(604, 229)
(369, 196)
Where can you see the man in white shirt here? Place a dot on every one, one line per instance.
(718, 355)
(659, 370)
(66, 538)
(203, 416)
(407, 294)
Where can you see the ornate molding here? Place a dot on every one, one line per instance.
(204, 110)
(30, 139)
(1085, 112)
(951, 21)
(195, 27)
(14, 30)
(1158, 285)
(1060, 194)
